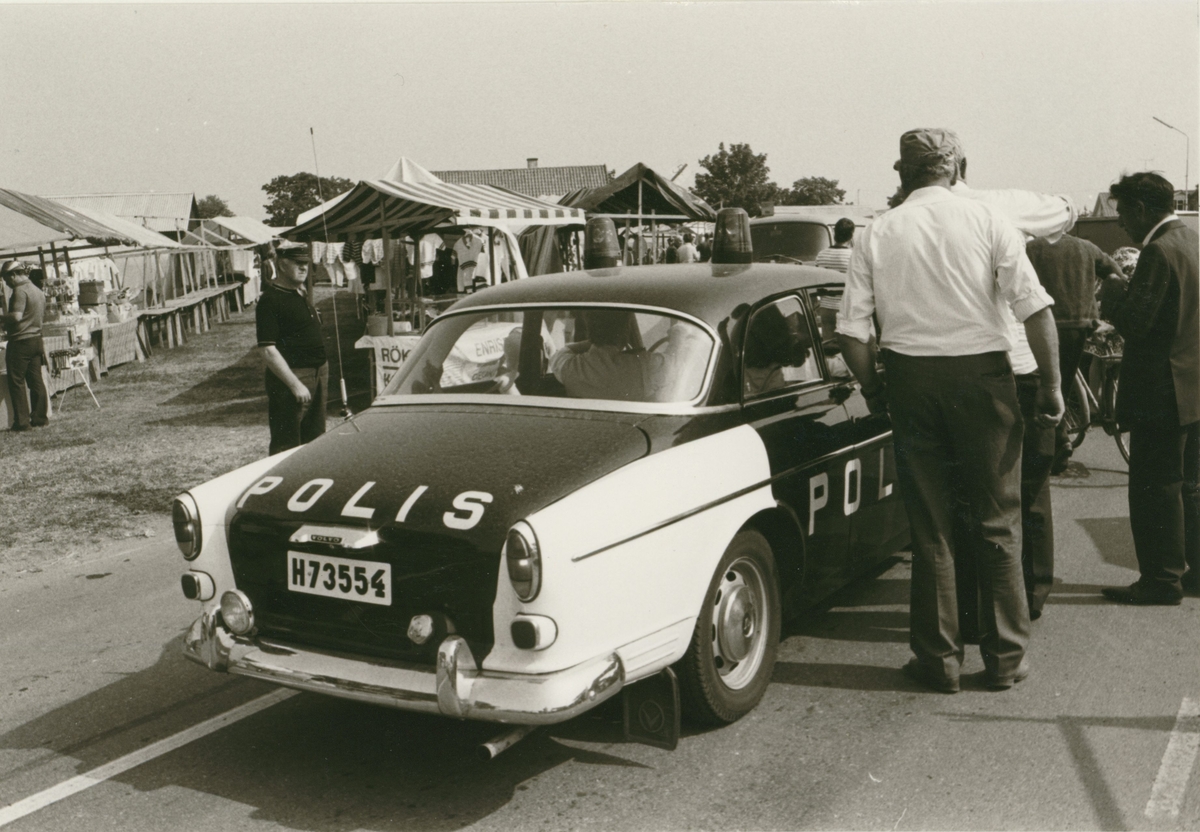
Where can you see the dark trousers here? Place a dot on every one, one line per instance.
(26, 387)
(293, 423)
(1037, 515)
(1158, 464)
(957, 429)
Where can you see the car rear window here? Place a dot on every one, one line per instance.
(597, 353)
(792, 240)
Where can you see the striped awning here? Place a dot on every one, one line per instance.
(408, 207)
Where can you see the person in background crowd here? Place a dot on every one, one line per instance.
(688, 253)
(671, 255)
(837, 256)
(38, 278)
(704, 248)
(1049, 216)
(1157, 313)
(631, 248)
(1069, 269)
(23, 356)
(937, 271)
(293, 350)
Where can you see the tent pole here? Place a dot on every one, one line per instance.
(418, 307)
(492, 276)
(654, 235)
(159, 290)
(639, 238)
(387, 268)
(42, 260)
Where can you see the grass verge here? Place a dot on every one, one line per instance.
(178, 419)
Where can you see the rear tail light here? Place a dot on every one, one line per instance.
(524, 561)
(185, 516)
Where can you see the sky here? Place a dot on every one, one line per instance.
(218, 99)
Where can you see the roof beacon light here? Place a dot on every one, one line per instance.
(601, 250)
(731, 240)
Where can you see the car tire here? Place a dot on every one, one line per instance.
(729, 661)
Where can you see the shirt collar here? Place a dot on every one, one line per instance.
(932, 193)
(1161, 223)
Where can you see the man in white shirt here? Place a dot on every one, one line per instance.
(1049, 217)
(938, 271)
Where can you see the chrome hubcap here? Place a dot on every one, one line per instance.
(738, 624)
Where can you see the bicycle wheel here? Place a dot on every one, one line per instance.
(1110, 408)
(1078, 415)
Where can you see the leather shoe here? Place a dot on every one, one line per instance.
(995, 682)
(1136, 593)
(922, 675)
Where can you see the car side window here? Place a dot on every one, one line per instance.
(825, 302)
(779, 350)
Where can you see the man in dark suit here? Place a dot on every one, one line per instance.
(1157, 312)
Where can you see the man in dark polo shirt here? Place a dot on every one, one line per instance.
(290, 341)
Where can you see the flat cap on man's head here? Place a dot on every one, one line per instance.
(288, 250)
(14, 267)
(927, 145)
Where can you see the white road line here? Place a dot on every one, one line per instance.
(65, 789)
(1171, 784)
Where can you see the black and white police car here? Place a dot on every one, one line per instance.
(573, 483)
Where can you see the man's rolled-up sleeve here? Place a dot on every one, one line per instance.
(1015, 276)
(856, 316)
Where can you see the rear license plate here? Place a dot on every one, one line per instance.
(369, 582)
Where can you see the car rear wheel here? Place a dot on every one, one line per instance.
(728, 664)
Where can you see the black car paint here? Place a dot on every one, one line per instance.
(523, 460)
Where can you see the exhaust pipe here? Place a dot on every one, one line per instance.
(492, 749)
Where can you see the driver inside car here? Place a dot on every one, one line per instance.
(607, 366)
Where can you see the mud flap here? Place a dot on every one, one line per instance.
(652, 710)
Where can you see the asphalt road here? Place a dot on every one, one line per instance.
(1099, 737)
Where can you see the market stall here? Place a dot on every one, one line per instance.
(90, 321)
(412, 209)
(640, 202)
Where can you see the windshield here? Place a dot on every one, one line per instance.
(795, 240)
(607, 353)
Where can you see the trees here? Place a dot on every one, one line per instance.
(736, 178)
(292, 195)
(813, 190)
(212, 206)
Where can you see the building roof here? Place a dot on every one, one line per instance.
(536, 181)
(158, 212)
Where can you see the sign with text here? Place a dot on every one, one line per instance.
(389, 352)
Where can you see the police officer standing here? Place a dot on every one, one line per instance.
(937, 271)
(293, 350)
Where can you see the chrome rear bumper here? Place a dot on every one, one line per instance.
(457, 688)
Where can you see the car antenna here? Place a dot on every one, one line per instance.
(337, 334)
